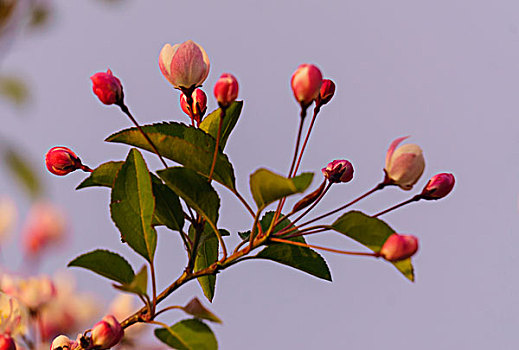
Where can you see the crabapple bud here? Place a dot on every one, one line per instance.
(107, 333)
(339, 170)
(399, 247)
(62, 342)
(404, 165)
(438, 186)
(185, 65)
(226, 89)
(6, 342)
(61, 161)
(198, 108)
(306, 83)
(107, 87)
(327, 91)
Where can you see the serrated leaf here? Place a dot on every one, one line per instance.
(107, 264)
(195, 308)
(103, 176)
(21, 169)
(207, 254)
(267, 187)
(132, 205)
(168, 210)
(183, 144)
(372, 233)
(195, 190)
(211, 122)
(139, 284)
(189, 334)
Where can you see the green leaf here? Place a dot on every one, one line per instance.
(106, 264)
(207, 254)
(372, 233)
(168, 210)
(15, 90)
(132, 205)
(183, 144)
(21, 169)
(267, 187)
(195, 308)
(301, 258)
(190, 334)
(104, 175)
(139, 284)
(195, 190)
(212, 121)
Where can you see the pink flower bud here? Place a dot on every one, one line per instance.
(185, 65)
(6, 342)
(226, 89)
(198, 108)
(399, 247)
(438, 186)
(61, 161)
(405, 165)
(107, 87)
(306, 83)
(62, 342)
(327, 91)
(338, 171)
(107, 333)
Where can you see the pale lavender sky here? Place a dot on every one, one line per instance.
(445, 72)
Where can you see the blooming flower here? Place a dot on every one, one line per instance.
(33, 292)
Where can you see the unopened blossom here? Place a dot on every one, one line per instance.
(8, 216)
(33, 292)
(198, 107)
(306, 84)
(106, 333)
(326, 92)
(62, 160)
(404, 165)
(45, 225)
(438, 186)
(63, 342)
(226, 89)
(7, 342)
(339, 170)
(14, 316)
(399, 247)
(107, 87)
(185, 65)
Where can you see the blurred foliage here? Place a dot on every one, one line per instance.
(20, 168)
(15, 90)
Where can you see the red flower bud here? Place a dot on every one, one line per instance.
(107, 333)
(327, 91)
(338, 171)
(61, 161)
(399, 247)
(6, 342)
(107, 87)
(438, 186)
(306, 83)
(198, 108)
(226, 89)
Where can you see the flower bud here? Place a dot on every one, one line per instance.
(107, 333)
(62, 342)
(338, 171)
(306, 83)
(198, 108)
(61, 161)
(108, 88)
(327, 91)
(185, 65)
(438, 186)
(405, 165)
(399, 247)
(6, 342)
(226, 90)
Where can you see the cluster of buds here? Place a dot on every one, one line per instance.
(308, 85)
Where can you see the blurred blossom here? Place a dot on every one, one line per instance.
(13, 316)
(70, 311)
(8, 216)
(121, 307)
(33, 292)
(44, 226)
